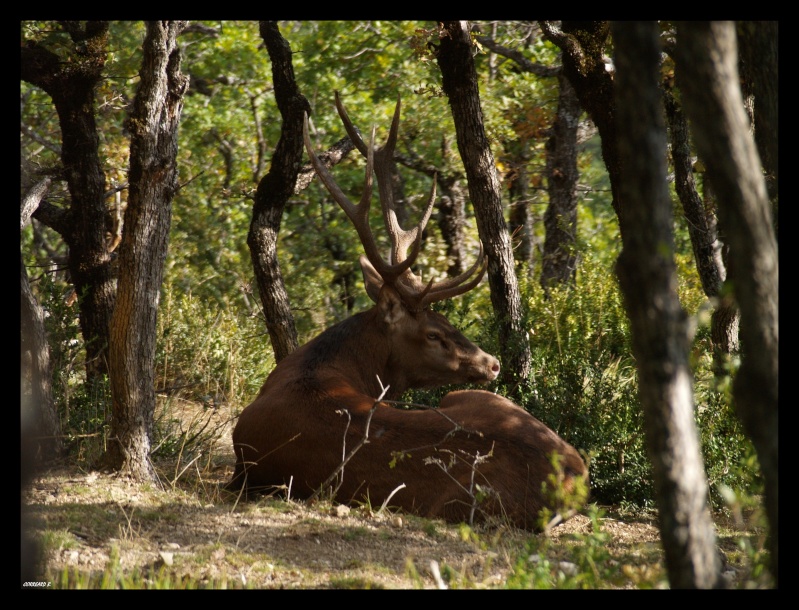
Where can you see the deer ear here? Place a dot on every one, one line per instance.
(390, 305)
(371, 279)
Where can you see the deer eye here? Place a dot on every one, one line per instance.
(432, 336)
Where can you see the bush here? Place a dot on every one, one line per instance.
(209, 355)
(584, 385)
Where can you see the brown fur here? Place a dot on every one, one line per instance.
(321, 395)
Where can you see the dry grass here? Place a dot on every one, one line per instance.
(98, 530)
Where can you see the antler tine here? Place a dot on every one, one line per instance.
(396, 272)
(452, 287)
(352, 132)
(358, 214)
(401, 239)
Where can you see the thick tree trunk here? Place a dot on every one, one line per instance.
(71, 85)
(460, 85)
(707, 75)
(647, 275)
(274, 191)
(153, 182)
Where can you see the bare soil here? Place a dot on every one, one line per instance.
(185, 533)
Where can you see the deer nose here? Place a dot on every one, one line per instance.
(492, 365)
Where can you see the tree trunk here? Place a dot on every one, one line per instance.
(41, 426)
(520, 218)
(647, 275)
(707, 75)
(460, 85)
(451, 204)
(37, 388)
(559, 263)
(274, 191)
(701, 219)
(153, 182)
(451, 220)
(758, 43)
(584, 64)
(71, 85)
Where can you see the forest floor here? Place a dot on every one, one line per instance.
(98, 530)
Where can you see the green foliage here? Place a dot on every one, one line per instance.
(729, 456)
(212, 345)
(209, 355)
(581, 562)
(83, 408)
(584, 385)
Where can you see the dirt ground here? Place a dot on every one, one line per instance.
(193, 536)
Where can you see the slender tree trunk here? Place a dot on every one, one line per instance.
(707, 74)
(583, 45)
(153, 182)
(701, 220)
(460, 85)
(647, 275)
(520, 217)
(451, 204)
(41, 425)
(758, 43)
(274, 191)
(451, 221)
(559, 264)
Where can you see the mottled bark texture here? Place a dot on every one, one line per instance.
(583, 45)
(153, 127)
(708, 78)
(273, 193)
(703, 231)
(648, 279)
(72, 85)
(559, 261)
(459, 78)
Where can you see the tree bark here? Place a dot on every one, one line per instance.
(702, 229)
(153, 126)
(460, 85)
(707, 74)
(647, 275)
(758, 43)
(71, 85)
(451, 204)
(451, 221)
(40, 423)
(274, 191)
(585, 65)
(520, 217)
(559, 264)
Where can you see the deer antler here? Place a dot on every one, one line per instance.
(396, 273)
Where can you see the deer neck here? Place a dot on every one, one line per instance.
(357, 351)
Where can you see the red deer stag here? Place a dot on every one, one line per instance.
(321, 401)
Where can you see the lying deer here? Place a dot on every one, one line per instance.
(476, 456)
